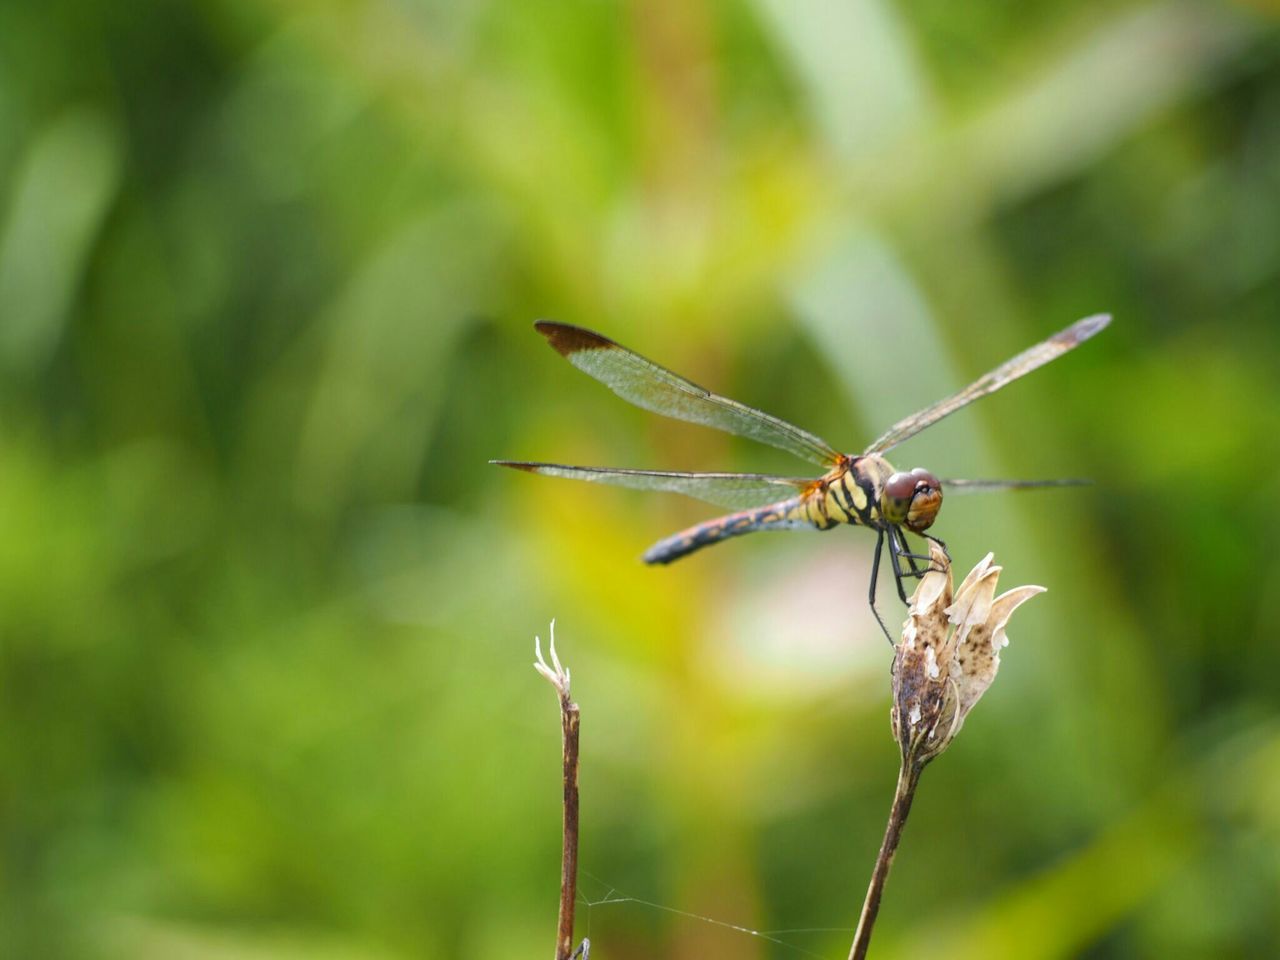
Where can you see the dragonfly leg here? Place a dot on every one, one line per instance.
(912, 557)
(906, 551)
(875, 576)
(895, 555)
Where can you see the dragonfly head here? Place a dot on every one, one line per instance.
(911, 499)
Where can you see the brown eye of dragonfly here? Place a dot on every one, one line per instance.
(900, 486)
(926, 499)
(923, 477)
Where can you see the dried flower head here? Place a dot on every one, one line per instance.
(556, 674)
(949, 653)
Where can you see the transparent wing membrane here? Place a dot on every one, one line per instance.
(992, 486)
(647, 385)
(736, 491)
(989, 383)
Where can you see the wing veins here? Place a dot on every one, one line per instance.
(989, 486)
(652, 387)
(1009, 371)
(733, 490)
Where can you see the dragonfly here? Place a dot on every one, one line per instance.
(862, 490)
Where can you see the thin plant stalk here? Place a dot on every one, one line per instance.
(569, 848)
(558, 676)
(908, 779)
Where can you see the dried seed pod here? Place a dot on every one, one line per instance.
(949, 653)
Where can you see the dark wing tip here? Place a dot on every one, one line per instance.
(1082, 330)
(568, 339)
(516, 465)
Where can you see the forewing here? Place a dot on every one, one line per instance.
(737, 491)
(655, 388)
(1006, 373)
(992, 486)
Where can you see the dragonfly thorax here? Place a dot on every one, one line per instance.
(911, 499)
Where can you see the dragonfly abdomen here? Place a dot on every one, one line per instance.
(784, 515)
(849, 494)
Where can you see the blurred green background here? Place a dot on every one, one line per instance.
(267, 275)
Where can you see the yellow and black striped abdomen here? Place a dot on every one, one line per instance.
(850, 493)
(784, 515)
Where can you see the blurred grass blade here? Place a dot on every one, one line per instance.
(66, 182)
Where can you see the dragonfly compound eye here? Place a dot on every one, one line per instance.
(926, 500)
(895, 499)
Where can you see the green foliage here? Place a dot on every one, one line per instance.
(267, 274)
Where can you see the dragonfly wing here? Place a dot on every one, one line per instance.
(1006, 373)
(737, 491)
(647, 385)
(990, 486)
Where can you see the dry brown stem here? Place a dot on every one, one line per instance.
(558, 677)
